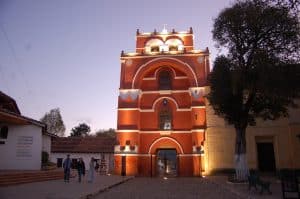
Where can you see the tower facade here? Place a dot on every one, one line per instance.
(161, 109)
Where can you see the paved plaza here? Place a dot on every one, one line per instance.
(158, 188)
(110, 187)
(212, 187)
(58, 189)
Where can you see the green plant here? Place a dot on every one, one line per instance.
(45, 157)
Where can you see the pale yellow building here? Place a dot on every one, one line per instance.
(280, 137)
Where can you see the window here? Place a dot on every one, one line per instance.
(154, 48)
(165, 116)
(3, 132)
(165, 120)
(164, 80)
(173, 48)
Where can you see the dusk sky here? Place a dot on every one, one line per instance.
(66, 53)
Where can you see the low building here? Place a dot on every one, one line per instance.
(22, 139)
(100, 148)
(271, 145)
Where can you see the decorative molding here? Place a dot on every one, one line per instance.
(127, 149)
(200, 59)
(164, 58)
(198, 130)
(149, 78)
(128, 62)
(158, 131)
(188, 155)
(127, 131)
(198, 107)
(197, 92)
(129, 94)
(161, 98)
(168, 138)
(158, 91)
(162, 132)
(181, 77)
(126, 154)
(152, 110)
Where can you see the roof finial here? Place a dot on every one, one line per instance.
(164, 31)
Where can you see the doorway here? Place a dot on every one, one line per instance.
(266, 157)
(166, 162)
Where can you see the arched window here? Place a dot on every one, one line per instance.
(154, 48)
(165, 116)
(173, 48)
(165, 81)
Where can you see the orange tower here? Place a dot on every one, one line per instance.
(161, 109)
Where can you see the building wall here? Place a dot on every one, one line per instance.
(220, 142)
(46, 143)
(141, 101)
(109, 158)
(22, 148)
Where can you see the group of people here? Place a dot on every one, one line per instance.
(67, 164)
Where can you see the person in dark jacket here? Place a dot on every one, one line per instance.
(67, 168)
(80, 169)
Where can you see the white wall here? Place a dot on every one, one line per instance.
(47, 143)
(22, 148)
(86, 158)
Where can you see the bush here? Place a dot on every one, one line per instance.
(45, 157)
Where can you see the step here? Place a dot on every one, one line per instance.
(27, 181)
(20, 178)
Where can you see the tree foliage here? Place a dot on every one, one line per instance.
(81, 130)
(106, 132)
(259, 77)
(54, 122)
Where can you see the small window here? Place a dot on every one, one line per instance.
(155, 49)
(165, 121)
(173, 48)
(3, 132)
(165, 80)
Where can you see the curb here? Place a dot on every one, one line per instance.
(91, 195)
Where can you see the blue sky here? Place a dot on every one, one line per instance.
(66, 53)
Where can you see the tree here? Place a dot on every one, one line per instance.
(81, 130)
(109, 132)
(259, 76)
(54, 122)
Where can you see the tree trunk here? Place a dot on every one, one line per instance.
(241, 165)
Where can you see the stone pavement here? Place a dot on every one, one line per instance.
(158, 188)
(58, 189)
(242, 189)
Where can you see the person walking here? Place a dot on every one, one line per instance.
(91, 172)
(67, 168)
(80, 169)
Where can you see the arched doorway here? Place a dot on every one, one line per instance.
(164, 153)
(166, 162)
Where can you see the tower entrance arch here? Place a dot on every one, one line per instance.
(161, 106)
(166, 162)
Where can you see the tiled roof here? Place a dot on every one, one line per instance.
(8, 103)
(101, 144)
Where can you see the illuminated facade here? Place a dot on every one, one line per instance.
(161, 110)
